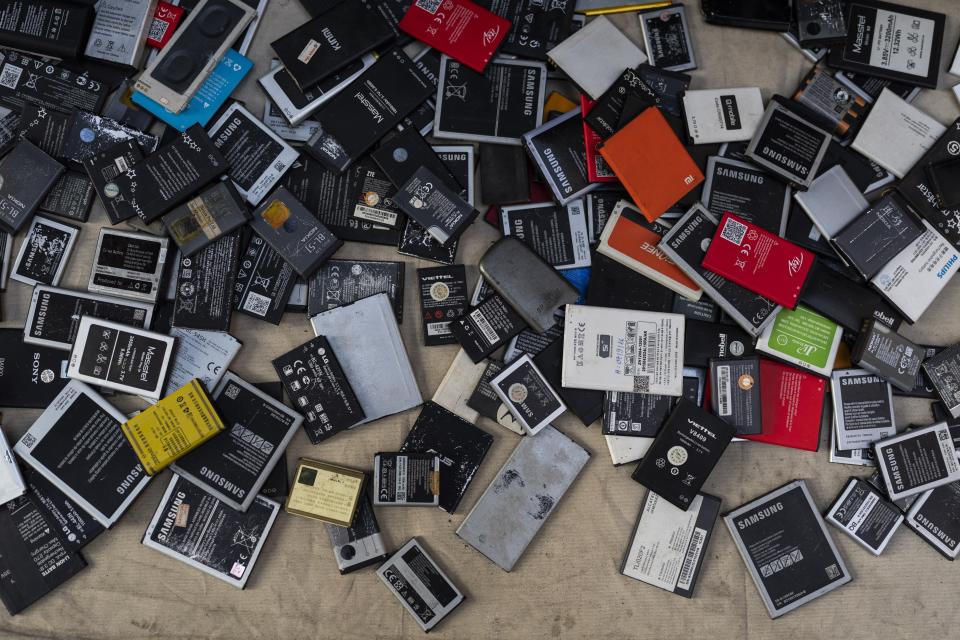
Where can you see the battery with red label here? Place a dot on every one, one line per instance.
(461, 29)
(758, 260)
(165, 21)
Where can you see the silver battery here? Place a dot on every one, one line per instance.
(522, 496)
(190, 56)
(293, 104)
(119, 31)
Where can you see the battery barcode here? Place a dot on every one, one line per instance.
(401, 478)
(630, 352)
(733, 231)
(723, 390)
(122, 166)
(693, 554)
(438, 328)
(484, 326)
(648, 350)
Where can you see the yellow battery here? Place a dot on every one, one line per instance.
(624, 8)
(174, 426)
(325, 492)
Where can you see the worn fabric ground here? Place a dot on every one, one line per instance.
(567, 585)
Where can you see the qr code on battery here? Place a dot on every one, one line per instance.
(641, 384)
(429, 5)
(257, 304)
(28, 440)
(733, 231)
(158, 29)
(833, 571)
(10, 77)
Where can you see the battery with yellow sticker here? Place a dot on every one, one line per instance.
(176, 425)
(275, 214)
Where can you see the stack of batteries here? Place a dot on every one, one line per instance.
(695, 268)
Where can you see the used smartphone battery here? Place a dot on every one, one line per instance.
(195, 49)
(167, 177)
(205, 286)
(34, 560)
(235, 465)
(128, 264)
(71, 197)
(559, 152)
(443, 299)
(366, 339)
(917, 460)
(56, 29)
(294, 232)
(933, 516)
(557, 233)
(120, 357)
(30, 376)
(877, 33)
(460, 445)
(735, 392)
(528, 395)
(787, 548)
(174, 426)
(53, 318)
(533, 289)
(684, 453)
(265, 282)
(342, 281)
(317, 386)
(326, 492)
(331, 41)
(685, 243)
(498, 105)
(296, 104)
(211, 214)
(864, 514)
(198, 529)
(406, 479)
(943, 371)
(862, 409)
(44, 252)
(26, 176)
(521, 497)
(420, 585)
(402, 155)
(487, 327)
(204, 355)
(257, 156)
(390, 89)
(78, 446)
(434, 206)
(361, 544)
(668, 546)
(666, 35)
(104, 167)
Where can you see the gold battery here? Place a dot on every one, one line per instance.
(176, 425)
(325, 492)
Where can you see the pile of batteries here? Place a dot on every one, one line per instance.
(688, 266)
